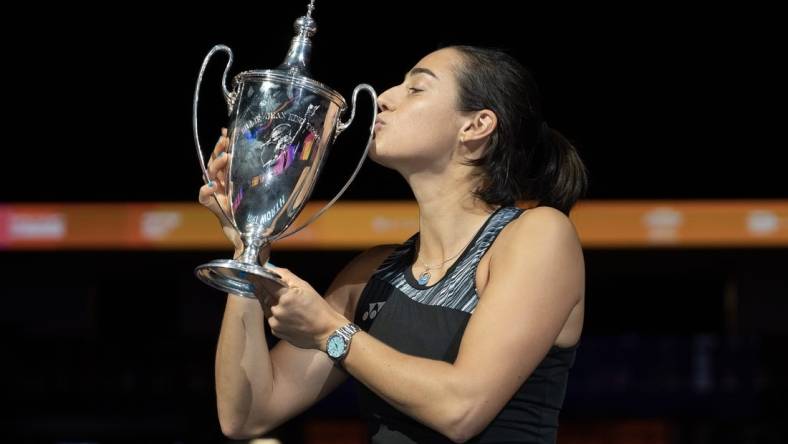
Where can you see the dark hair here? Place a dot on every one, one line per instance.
(526, 159)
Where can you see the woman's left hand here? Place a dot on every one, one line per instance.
(299, 314)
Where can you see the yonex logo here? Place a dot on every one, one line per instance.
(373, 310)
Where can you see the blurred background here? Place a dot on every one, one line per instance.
(109, 337)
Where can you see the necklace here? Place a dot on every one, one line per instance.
(425, 276)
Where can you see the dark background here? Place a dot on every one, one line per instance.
(662, 103)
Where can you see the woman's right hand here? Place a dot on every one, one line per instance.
(217, 186)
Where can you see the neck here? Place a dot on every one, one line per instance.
(449, 214)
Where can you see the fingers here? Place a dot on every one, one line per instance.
(272, 291)
(269, 301)
(221, 145)
(212, 195)
(217, 168)
(217, 164)
(290, 279)
(205, 196)
(286, 275)
(265, 303)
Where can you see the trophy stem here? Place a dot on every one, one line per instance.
(249, 254)
(252, 247)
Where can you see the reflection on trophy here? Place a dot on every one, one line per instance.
(282, 124)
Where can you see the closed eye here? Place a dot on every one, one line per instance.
(414, 90)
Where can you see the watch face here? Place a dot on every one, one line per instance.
(336, 346)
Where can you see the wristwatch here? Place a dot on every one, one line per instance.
(338, 343)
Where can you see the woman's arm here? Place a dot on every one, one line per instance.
(256, 390)
(536, 278)
(243, 372)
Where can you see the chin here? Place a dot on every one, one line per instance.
(375, 156)
(392, 158)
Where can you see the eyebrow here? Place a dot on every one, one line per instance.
(418, 70)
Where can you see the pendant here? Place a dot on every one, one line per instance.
(424, 278)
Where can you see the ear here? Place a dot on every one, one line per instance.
(479, 126)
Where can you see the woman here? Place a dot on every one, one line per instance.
(468, 329)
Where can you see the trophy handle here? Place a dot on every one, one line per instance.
(340, 128)
(229, 97)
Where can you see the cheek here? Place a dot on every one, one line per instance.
(417, 134)
(424, 131)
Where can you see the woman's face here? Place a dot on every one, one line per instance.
(419, 125)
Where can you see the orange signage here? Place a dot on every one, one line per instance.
(359, 225)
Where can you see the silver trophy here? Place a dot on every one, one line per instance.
(282, 124)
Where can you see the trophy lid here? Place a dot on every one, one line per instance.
(297, 59)
(295, 68)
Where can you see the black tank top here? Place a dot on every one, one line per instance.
(429, 321)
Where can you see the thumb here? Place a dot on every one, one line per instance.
(274, 288)
(286, 275)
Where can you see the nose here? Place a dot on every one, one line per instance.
(385, 102)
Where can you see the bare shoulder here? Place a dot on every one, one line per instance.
(544, 223)
(345, 290)
(540, 234)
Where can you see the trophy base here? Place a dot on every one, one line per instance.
(235, 277)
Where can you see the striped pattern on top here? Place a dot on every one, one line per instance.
(457, 289)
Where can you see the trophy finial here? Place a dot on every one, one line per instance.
(297, 60)
(310, 8)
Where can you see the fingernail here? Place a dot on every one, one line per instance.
(210, 184)
(224, 131)
(220, 155)
(269, 263)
